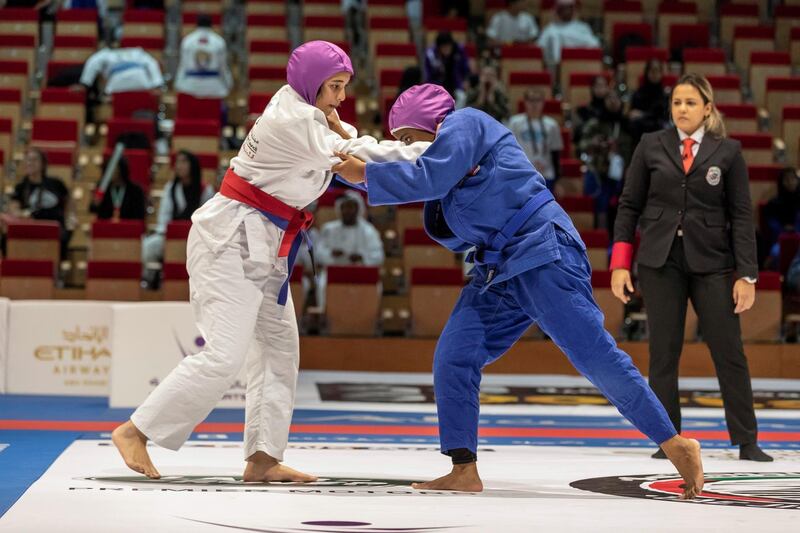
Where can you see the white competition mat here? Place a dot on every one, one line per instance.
(364, 488)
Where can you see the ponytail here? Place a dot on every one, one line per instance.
(713, 123)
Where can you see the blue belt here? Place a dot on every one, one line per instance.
(302, 236)
(492, 255)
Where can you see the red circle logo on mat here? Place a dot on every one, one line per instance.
(766, 490)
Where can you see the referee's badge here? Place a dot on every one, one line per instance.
(713, 176)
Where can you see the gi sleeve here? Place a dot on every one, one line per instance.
(458, 148)
(737, 193)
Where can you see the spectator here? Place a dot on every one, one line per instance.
(650, 103)
(512, 25)
(41, 197)
(123, 199)
(351, 240)
(446, 64)
(598, 92)
(782, 213)
(565, 32)
(123, 69)
(539, 136)
(606, 147)
(182, 196)
(489, 95)
(204, 70)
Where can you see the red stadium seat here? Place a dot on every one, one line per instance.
(113, 280)
(732, 15)
(727, 88)
(352, 300)
(22, 22)
(685, 36)
(55, 133)
(519, 82)
(14, 75)
(740, 118)
(26, 279)
(580, 210)
(613, 310)
(750, 38)
(626, 35)
(709, 61)
(144, 22)
(670, 13)
(781, 92)
(764, 320)
(18, 48)
(175, 282)
(175, 241)
(31, 239)
(433, 295)
(266, 79)
(134, 103)
(786, 17)
(765, 65)
(140, 164)
(756, 147)
(191, 108)
(77, 22)
(119, 126)
(268, 53)
(201, 136)
(73, 47)
(597, 242)
(579, 60)
(117, 240)
(265, 27)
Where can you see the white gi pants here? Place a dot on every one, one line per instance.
(234, 293)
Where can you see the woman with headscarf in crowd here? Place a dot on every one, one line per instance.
(650, 102)
(180, 199)
(240, 250)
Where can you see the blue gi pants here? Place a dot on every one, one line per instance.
(558, 297)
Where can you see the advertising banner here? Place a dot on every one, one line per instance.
(148, 341)
(58, 347)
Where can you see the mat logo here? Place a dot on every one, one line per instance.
(765, 490)
(331, 526)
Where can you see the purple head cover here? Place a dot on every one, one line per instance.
(421, 107)
(311, 64)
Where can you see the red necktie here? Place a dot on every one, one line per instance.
(688, 155)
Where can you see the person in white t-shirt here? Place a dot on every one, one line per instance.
(350, 240)
(240, 252)
(512, 25)
(203, 70)
(539, 136)
(566, 31)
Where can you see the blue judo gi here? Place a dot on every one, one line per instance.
(481, 191)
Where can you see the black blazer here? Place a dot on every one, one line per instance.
(714, 212)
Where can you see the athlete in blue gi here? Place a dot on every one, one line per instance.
(531, 266)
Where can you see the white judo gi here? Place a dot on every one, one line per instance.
(124, 69)
(203, 70)
(236, 275)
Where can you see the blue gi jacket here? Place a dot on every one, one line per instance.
(473, 179)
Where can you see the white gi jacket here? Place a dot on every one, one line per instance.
(203, 70)
(509, 29)
(125, 69)
(288, 154)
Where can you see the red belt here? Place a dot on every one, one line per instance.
(292, 221)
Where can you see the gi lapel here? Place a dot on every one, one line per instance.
(671, 143)
(707, 147)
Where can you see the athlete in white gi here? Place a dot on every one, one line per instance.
(236, 274)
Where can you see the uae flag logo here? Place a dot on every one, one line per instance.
(766, 490)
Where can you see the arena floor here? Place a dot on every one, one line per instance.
(550, 459)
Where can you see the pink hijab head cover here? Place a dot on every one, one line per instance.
(421, 107)
(311, 64)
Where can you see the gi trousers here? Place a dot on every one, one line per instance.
(666, 291)
(558, 297)
(235, 301)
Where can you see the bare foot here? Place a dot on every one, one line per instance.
(263, 468)
(463, 478)
(132, 446)
(685, 455)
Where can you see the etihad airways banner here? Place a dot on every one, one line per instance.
(148, 341)
(57, 347)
